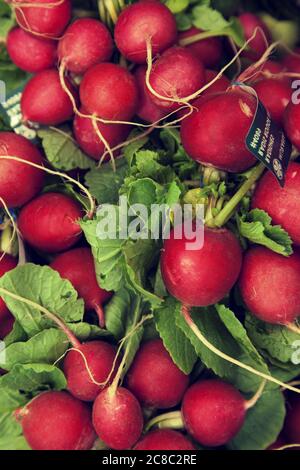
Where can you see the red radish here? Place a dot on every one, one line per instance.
(215, 133)
(292, 421)
(50, 222)
(292, 123)
(110, 92)
(78, 267)
(147, 111)
(19, 182)
(49, 20)
(259, 43)
(208, 51)
(143, 21)
(204, 276)
(7, 263)
(275, 95)
(44, 101)
(282, 204)
(57, 421)
(99, 357)
(30, 53)
(176, 74)
(221, 85)
(117, 418)
(213, 412)
(292, 61)
(269, 285)
(89, 141)
(154, 378)
(85, 43)
(164, 439)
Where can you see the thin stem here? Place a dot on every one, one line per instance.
(111, 9)
(198, 37)
(57, 173)
(229, 208)
(58, 321)
(252, 402)
(171, 420)
(294, 328)
(212, 348)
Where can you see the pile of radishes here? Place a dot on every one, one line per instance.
(107, 83)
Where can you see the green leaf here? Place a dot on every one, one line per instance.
(45, 347)
(224, 331)
(263, 423)
(116, 312)
(257, 227)
(121, 262)
(44, 286)
(208, 19)
(62, 151)
(32, 378)
(11, 434)
(281, 343)
(104, 184)
(175, 341)
(87, 332)
(176, 6)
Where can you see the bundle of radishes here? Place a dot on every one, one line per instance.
(147, 342)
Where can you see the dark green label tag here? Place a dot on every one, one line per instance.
(10, 110)
(268, 143)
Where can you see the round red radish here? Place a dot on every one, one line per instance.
(292, 61)
(117, 418)
(176, 74)
(7, 263)
(292, 421)
(204, 276)
(44, 101)
(85, 43)
(221, 85)
(78, 267)
(208, 51)
(164, 439)
(213, 412)
(99, 357)
(154, 378)
(216, 131)
(269, 285)
(57, 421)
(291, 121)
(19, 182)
(89, 141)
(143, 21)
(50, 222)
(282, 204)
(251, 25)
(147, 110)
(275, 95)
(30, 53)
(110, 92)
(48, 20)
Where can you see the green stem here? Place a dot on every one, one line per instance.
(172, 420)
(198, 37)
(229, 208)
